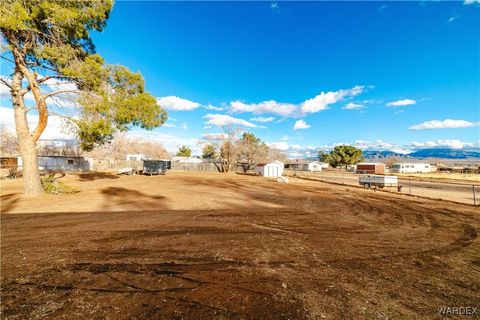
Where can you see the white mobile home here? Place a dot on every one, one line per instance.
(412, 168)
(271, 169)
(324, 165)
(136, 157)
(314, 166)
(65, 163)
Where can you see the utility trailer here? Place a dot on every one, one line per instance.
(369, 181)
(151, 167)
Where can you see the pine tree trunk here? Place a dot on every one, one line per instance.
(26, 142)
(30, 170)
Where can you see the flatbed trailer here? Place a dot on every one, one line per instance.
(153, 167)
(369, 181)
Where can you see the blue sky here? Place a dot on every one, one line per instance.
(394, 75)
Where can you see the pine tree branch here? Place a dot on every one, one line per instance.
(60, 92)
(5, 83)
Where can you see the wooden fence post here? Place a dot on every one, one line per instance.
(474, 199)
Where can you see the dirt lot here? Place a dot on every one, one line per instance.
(450, 190)
(213, 246)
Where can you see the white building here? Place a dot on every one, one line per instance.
(65, 163)
(412, 168)
(271, 169)
(324, 165)
(315, 166)
(136, 157)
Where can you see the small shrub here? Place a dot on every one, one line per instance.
(12, 173)
(53, 186)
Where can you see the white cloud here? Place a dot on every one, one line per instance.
(55, 129)
(324, 99)
(4, 90)
(213, 137)
(177, 103)
(170, 142)
(453, 144)
(315, 104)
(285, 138)
(405, 149)
(453, 18)
(381, 145)
(281, 145)
(223, 119)
(270, 106)
(169, 125)
(299, 151)
(184, 126)
(353, 106)
(294, 150)
(443, 124)
(211, 107)
(56, 85)
(467, 2)
(65, 100)
(400, 103)
(300, 124)
(263, 119)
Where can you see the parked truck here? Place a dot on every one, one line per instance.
(369, 181)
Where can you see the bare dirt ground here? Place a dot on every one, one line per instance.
(213, 246)
(444, 176)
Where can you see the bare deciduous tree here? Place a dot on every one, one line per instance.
(276, 155)
(8, 144)
(225, 145)
(122, 145)
(59, 149)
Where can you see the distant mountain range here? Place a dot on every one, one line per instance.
(379, 154)
(424, 153)
(446, 153)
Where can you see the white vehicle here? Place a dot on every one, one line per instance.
(378, 181)
(412, 168)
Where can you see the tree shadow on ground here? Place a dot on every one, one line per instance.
(247, 174)
(128, 199)
(91, 176)
(9, 201)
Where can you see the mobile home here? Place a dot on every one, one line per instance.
(65, 163)
(314, 166)
(412, 168)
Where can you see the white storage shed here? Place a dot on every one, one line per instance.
(270, 169)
